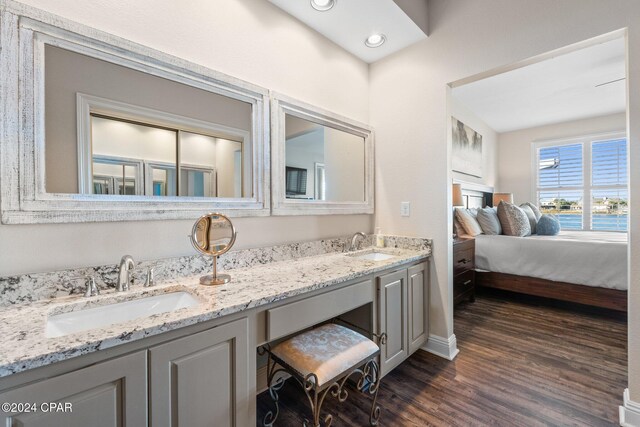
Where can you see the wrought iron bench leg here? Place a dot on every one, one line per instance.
(273, 387)
(371, 376)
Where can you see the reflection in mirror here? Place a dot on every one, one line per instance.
(187, 138)
(112, 130)
(213, 234)
(323, 163)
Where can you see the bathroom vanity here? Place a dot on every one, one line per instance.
(116, 358)
(199, 362)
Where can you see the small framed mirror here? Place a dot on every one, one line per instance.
(322, 163)
(213, 234)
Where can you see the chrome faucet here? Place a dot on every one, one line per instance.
(91, 288)
(354, 240)
(124, 273)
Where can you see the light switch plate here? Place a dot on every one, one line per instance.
(405, 209)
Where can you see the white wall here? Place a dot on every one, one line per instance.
(344, 166)
(249, 39)
(121, 139)
(489, 144)
(225, 163)
(515, 174)
(409, 111)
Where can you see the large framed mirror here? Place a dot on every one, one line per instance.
(322, 163)
(97, 128)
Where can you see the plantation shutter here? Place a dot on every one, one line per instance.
(560, 167)
(609, 207)
(561, 183)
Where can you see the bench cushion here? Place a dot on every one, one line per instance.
(327, 351)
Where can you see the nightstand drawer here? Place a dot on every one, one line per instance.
(464, 281)
(463, 260)
(464, 275)
(464, 286)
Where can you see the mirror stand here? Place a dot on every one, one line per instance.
(213, 234)
(215, 278)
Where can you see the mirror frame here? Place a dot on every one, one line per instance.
(24, 31)
(282, 105)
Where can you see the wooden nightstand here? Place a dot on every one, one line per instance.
(464, 274)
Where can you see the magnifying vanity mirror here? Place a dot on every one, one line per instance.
(322, 163)
(213, 234)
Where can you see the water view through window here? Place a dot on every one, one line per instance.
(585, 195)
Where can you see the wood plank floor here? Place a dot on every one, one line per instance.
(521, 363)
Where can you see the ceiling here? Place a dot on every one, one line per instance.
(350, 22)
(556, 90)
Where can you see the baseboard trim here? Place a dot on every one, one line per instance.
(443, 347)
(630, 412)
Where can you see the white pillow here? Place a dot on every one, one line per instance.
(468, 221)
(488, 220)
(535, 210)
(526, 208)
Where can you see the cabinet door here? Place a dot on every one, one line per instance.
(392, 300)
(112, 393)
(418, 323)
(202, 379)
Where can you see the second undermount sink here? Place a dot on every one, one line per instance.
(62, 324)
(373, 256)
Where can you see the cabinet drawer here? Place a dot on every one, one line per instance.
(463, 260)
(107, 394)
(464, 281)
(298, 315)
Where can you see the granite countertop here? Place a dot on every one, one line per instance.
(25, 346)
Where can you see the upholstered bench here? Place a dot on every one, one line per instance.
(321, 360)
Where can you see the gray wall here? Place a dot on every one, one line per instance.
(67, 73)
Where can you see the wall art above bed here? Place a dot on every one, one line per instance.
(467, 149)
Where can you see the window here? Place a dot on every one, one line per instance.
(174, 156)
(583, 181)
(296, 180)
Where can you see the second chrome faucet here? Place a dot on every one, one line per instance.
(124, 273)
(354, 240)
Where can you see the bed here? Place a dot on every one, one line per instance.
(585, 267)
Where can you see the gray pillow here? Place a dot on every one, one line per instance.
(513, 220)
(468, 221)
(535, 210)
(488, 220)
(531, 215)
(549, 225)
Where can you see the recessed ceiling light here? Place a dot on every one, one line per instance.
(323, 5)
(375, 40)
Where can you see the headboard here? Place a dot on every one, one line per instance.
(474, 196)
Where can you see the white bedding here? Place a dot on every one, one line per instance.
(592, 258)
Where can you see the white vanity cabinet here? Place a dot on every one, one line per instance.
(107, 394)
(403, 301)
(205, 373)
(418, 305)
(202, 379)
(194, 380)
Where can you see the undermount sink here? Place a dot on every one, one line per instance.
(373, 256)
(62, 324)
